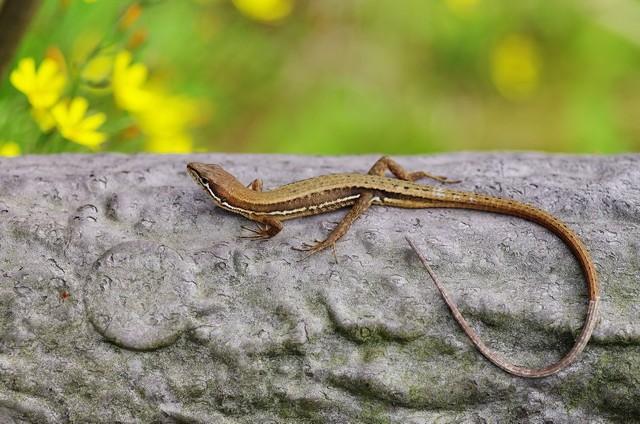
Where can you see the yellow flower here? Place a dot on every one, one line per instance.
(75, 126)
(515, 66)
(169, 115)
(180, 143)
(128, 83)
(98, 70)
(9, 149)
(163, 119)
(43, 86)
(167, 123)
(265, 10)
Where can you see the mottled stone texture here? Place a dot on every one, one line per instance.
(126, 296)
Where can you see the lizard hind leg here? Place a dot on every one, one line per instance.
(364, 201)
(255, 185)
(386, 163)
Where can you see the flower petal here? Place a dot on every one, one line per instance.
(43, 99)
(60, 113)
(46, 72)
(20, 81)
(23, 78)
(91, 139)
(77, 110)
(137, 74)
(92, 122)
(122, 61)
(27, 66)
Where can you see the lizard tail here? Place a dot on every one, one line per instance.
(548, 221)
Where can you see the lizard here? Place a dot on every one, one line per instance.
(334, 191)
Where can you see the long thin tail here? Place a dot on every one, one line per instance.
(530, 213)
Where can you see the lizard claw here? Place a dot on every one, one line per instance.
(256, 237)
(315, 248)
(260, 233)
(303, 248)
(307, 247)
(244, 227)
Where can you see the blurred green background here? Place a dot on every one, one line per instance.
(333, 76)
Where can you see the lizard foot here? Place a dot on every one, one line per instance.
(308, 247)
(316, 247)
(261, 232)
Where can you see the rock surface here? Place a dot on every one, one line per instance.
(126, 296)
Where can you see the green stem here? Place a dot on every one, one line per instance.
(41, 142)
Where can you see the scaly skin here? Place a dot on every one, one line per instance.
(330, 192)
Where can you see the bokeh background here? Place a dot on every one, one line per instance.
(325, 76)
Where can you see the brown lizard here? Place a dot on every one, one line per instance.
(330, 192)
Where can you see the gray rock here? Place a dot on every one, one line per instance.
(126, 296)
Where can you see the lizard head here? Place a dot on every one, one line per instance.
(215, 180)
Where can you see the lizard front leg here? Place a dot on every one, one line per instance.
(263, 230)
(361, 205)
(364, 201)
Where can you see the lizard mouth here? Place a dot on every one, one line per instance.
(196, 177)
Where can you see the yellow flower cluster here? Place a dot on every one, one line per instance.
(128, 84)
(43, 87)
(162, 117)
(265, 10)
(515, 66)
